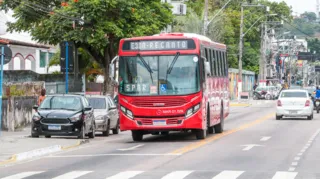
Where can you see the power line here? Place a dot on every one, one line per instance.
(295, 27)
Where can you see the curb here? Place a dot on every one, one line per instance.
(41, 152)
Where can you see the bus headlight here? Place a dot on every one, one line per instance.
(127, 112)
(192, 110)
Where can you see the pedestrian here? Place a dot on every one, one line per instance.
(42, 96)
(255, 86)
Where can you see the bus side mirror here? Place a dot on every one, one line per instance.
(112, 70)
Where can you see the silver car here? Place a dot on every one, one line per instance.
(106, 114)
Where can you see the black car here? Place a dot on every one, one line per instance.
(63, 115)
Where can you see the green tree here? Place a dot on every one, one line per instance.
(311, 16)
(226, 27)
(314, 45)
(105, 22)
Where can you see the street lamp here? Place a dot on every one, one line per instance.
(241, 42)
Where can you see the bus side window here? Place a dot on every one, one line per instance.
(226, 63)
(222, 64)
(212, 61)
(207, 54)
(216, 63)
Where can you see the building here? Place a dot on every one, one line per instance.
(27, 54)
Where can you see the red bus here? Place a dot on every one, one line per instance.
(172, 82)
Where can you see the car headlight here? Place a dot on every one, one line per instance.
(192, 110)
(127, 112)
(99, 118)
(36, 117)
(75, 118)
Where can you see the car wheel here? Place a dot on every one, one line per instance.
(219, 127)
(278, 117)
(116, 130)
(107, 131)
(48, 136)
(82, 134)
(137, 135)
(310, 117)
(268, 97)
(33, 135)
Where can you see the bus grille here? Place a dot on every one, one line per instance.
(150, 121)
(172, 121)
(146, 121)
(159, 102)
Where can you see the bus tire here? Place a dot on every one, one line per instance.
(210, 129)
(219, 127)
(137, 135)
(201, 133)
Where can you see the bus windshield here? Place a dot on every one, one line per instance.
(159, 75)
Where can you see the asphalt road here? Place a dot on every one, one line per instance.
(253, 146)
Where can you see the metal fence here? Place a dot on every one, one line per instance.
(60, 87)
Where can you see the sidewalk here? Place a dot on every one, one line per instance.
(15, 146)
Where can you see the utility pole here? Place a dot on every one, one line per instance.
(261, 54)
(205, 25)
(240, 54)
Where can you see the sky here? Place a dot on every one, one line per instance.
(300, 6)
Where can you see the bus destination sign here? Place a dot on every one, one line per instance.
(150, 45)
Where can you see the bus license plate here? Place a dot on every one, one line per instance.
(54, 127)
(159, 122)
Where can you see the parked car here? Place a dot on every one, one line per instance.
(294, 103)
(265, 92)
(63, 115)
(106, 114)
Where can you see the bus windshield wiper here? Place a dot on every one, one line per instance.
(145, 63)
(173, 62)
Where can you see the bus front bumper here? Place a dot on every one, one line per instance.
(195, 121)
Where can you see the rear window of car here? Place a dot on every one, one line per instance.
(97, 103)
(296, 94)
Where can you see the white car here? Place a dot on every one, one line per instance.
(294, 103)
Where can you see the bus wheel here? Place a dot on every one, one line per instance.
(210, 129)
(201, 133)
(219, 127)
(137, 135)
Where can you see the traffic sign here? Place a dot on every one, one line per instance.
(7, 54)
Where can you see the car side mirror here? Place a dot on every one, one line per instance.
(89, 108)
(35, 107)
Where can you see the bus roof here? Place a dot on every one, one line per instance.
(177, 35)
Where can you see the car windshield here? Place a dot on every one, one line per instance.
(97, 103)
(159, 75)
(295, 94)
(61, 102)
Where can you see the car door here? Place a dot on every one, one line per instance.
(112, 112)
